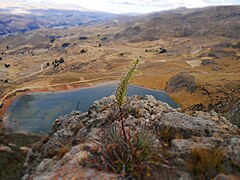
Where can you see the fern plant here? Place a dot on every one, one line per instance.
(122, 90)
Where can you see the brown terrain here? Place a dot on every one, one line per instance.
(66, 58)
(192, 54)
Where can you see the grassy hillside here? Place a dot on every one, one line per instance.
(213, 21)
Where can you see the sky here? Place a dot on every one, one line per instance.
(138, 6)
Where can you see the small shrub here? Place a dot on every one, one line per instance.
(62, 151)
(82, 38)
(205, 163)
(167, 133)
(122, 90)
(83, 51)
(11, 163)
(137, 158)
(178, 135)
(64, 45)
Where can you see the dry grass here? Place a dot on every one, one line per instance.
(205, 163)
(62, 151)
(138, 158)
(108, 63)
(166, 134)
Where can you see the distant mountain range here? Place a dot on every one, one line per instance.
(181, 22)
(22, 16)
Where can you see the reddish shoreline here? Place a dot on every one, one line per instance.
(9, 100)
(7, 103)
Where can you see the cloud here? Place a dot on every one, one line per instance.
(139, 6)
(144, 6)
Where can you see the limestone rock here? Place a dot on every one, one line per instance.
(73, 138)
(24, 149)
(225, 177)
(234, 114)
(181, 149)
(5, 149)
(187, 126)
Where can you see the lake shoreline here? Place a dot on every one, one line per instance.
(58, 90)
(8, 101)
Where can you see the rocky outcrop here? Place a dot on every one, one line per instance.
(5, 148)
(206, 62)
(181, 149)
(234, 114)
(64, 45)
(73, 138)
(181, 81)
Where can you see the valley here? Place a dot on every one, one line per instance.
(19, 17)
(35, 67)
(46, 51)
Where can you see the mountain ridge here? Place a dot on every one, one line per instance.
(217, 21)
(47, 18)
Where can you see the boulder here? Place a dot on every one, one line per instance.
(187, 126)
(162, 50)
(64, 45)
(103, 39)
(223, 54)
(206, 62)
(7, 65)
(236, 45)
(83, 51)
(234, 114)
(207, 54)
(222, 176)
(24, 149)
(182, 148)
(181, 81)
(61, 60)
(73, 138)
(82, 38)
(216, 68)
(5, 149)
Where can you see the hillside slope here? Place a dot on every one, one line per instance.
(211, 21)
(46, 18)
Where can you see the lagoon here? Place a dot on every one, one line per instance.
(35, 112)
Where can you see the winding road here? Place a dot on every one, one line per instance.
(41, 70)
